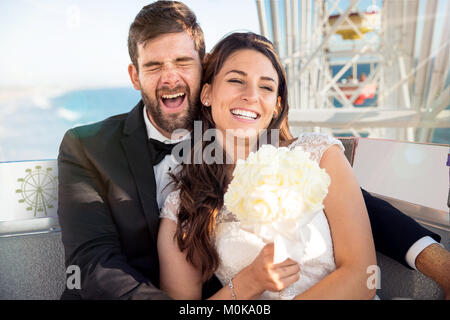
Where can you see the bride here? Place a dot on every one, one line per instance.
(244, 87)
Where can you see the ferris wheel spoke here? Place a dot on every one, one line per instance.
(29, 182)
(47, 193)
(28, 197)
(44, 199)
(44, 203)
(44, 185)
(36, 200)
(44, 181)
(35, 183)
(31, 197)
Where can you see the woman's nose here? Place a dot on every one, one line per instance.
(250, 94)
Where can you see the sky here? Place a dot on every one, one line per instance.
(83, 43)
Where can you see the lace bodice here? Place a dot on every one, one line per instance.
(238, 248)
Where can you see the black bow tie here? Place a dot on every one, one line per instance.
(158, 150)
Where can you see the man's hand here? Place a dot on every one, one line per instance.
(434, 262)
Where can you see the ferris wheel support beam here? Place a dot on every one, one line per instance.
(308, 24)
(275, 26)
(413, 73)
(303, 85)
(425, 134)
(294, 21)
(262, 18)
(409, 132)
(316, 33)
(441, 62)
(411, 11)
(365, 118)
(303, 35)
(331, 32)
(405, 88)
(295, 48)
(425, 52)
(289, 28)
(340, 95)
(345, 67)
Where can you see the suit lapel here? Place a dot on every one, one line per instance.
(137, 152)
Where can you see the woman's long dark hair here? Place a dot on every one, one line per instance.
(202, 186)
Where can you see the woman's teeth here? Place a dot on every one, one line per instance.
(245, 114)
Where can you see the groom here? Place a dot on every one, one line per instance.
(112, 174)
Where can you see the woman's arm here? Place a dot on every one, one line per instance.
(177, 277)
(353, 245)
(181, 280)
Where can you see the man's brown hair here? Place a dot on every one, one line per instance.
(162, 17)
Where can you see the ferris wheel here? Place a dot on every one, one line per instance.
(38, 190)
(377, 71)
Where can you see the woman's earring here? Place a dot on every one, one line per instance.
(206, 103)
(277, 107)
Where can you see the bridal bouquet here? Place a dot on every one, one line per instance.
(274, 192)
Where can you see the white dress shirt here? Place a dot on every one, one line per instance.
(167, 165)
(417, 248)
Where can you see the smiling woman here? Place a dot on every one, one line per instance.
(244, 82)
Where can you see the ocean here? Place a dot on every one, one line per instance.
(32, 127)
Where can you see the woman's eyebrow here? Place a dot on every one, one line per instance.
(237, 71)
(269, 79)
(245, 74)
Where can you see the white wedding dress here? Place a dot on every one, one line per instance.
(238, 248)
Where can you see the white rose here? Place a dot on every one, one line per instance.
(276, 184)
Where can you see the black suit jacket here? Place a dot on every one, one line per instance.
(393, 231)
(109, 216)
(107, 210)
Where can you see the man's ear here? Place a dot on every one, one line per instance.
(205, 95)
(134, 76)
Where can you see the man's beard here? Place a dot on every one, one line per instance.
(171, 122)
